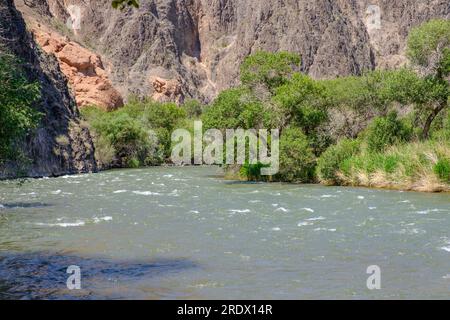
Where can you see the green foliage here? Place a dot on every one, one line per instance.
(375, 90)
(442, 170)
(193, 109)
(137, 134)
(334, 158)
(444, 131)
(297, 160)
(361, 94)
(386, 131)
(427, 39)
(429, 48)
(17, 116)
(232, 109)
(121, 4)
(303, 102)
(269, 69)
(445, 62)
(252, 172)
(126, 136)
(162, 115)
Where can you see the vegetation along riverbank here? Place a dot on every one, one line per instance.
(384, 128)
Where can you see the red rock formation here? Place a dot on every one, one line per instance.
(166, 90)
(83, 68)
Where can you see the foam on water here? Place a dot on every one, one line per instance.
(120, 191)
(325, 229)
(316, 218)
(62, 224)
(308, 209)
(429, 211)
(100, 219)
(146, 193)
(240, 211)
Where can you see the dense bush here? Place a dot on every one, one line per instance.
(386, 131)
(442, 170)
(193, 109)
(271, 70)
(232, 109)
(425, 39)
(137, 134)
(297, 160)
(17, 116)
(303, 102)
(126, 137)
(252, 172)
(332, 160)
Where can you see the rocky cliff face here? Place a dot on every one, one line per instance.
(85, 70)
(173, 49)
(61, 144)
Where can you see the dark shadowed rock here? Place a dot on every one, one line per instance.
(61, 144)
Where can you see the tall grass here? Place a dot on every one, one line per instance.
(416, 166)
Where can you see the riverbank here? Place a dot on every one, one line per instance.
(377, 180)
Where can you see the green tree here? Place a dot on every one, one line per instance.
(17, 116)
(429, 50)
(193, 108)
(270, 70)
(297, 160)
(303, 102)
(129, 140)
(386, 131)
(232, 109)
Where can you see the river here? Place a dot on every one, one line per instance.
(185, 233)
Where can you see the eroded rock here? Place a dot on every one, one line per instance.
(84, 70)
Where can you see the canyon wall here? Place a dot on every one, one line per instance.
(178, 49)
(61, 144)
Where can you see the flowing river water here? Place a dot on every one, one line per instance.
(184, 233)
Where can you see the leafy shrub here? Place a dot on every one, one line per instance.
(303, 101)
(252, 172)
(17, 116)
(126, 136)
(138, 134)
(232, 109)
(444, 132)
(193, 108)
(269, 69)
(333, 159)
(442, 170)
(297, 161)
(424, 39)
(162, 115)
(386, 131)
